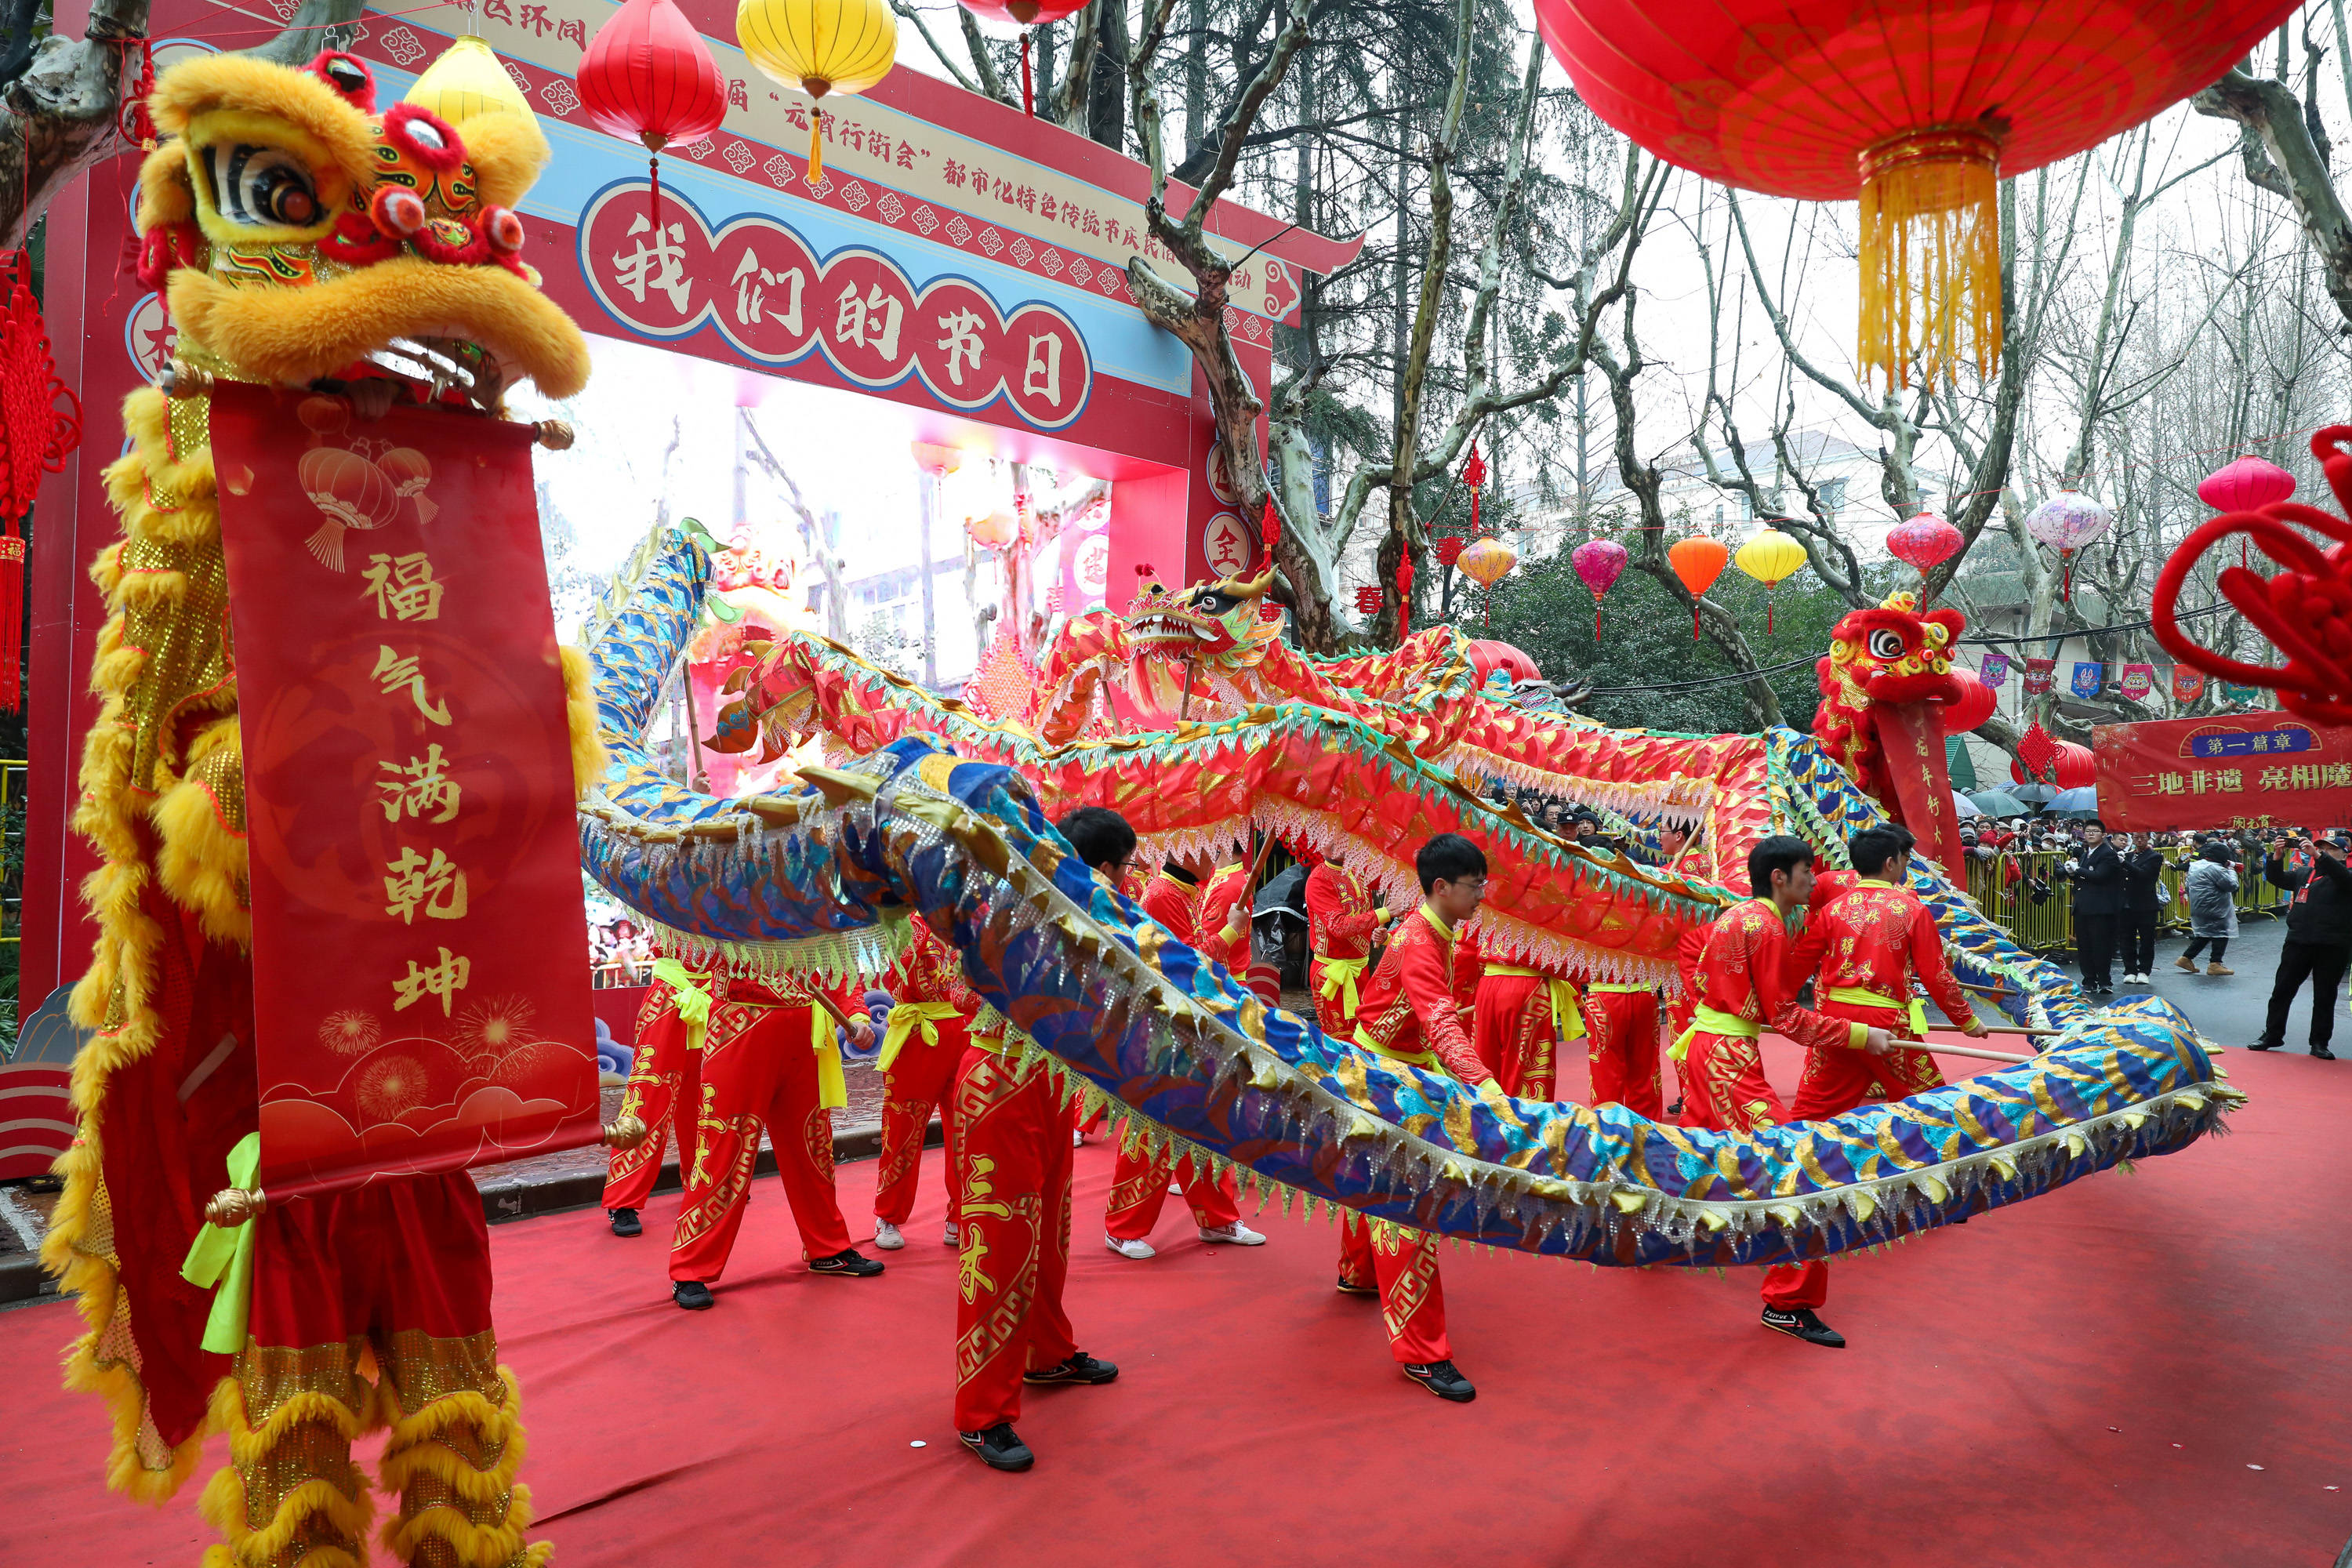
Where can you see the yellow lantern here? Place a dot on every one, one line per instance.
(819, 46)
(1486, 561)
(1770, 557)
(468, 81)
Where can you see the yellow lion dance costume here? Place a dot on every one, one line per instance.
(308, 240)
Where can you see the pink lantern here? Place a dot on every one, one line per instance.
(1599, 563)
(2247, 485)
(1925, 543)
(2065, 523)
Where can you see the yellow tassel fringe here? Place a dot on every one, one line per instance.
(1931, 253)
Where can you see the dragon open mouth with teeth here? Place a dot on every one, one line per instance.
(1175, 636)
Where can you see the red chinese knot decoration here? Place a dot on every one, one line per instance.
(2064, 764)
(648, 77)
(1917, 107)
(2036, 749)
(40, 423)
(2304, 607)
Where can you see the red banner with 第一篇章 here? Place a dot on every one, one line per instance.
(419, 950)
(2233, 769)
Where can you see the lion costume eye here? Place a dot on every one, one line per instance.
(1886, 644)
(261, 187)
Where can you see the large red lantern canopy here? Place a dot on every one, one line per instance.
(648, 77)
(1917, 107)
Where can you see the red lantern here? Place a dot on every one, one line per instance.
(1698, 560)
(648, 77)
(1025, 15)
(2249, 484)
(1925, 543)
(1976, 703)
(1916, 106)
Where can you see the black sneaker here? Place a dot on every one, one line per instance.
(1803, 1324)
(998, 1447)
(2263, 1045)
(849, 1261)
(1080, 1368)
(691, 1294)
(1441, 1378)
(1350, 1288)
(624, 1222)
(2322, 1053)
(1676, 1109)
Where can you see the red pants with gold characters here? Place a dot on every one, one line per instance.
(663, 1076)
(919, 1078)
(1724, 1091)
(399, 1274)
(1139, 1187)
(1621, 1035)
(1012, 1133)
(1402, 1263)
(1513, 1034)
(1836, 1080)
(758, 1070)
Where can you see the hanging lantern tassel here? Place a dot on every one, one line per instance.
(653, 174)
(1028, 93)
(1273, 529)
(1931, 253)
(816, 146)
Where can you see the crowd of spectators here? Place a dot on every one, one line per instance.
(619, 953)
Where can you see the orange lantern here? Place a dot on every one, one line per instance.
(1698, 560)
(1486, 561)
(996, 529)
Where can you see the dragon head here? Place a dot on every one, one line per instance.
(1217, 630)
(1894, 654)
(303, 235)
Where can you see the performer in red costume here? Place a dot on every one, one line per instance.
(1522, 1018)
(923, 1048)
(1012, 1134)
(1178, 899)
(1740, 985)
(1621, 1033)
(663, 1076)
(1411, 1013)
(1868, 939)
(768, 1060)
(1342, 918)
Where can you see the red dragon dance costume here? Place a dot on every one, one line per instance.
(1739, 985)
(1138, 1187)
(1410, 1014)
(1868, 939)
(923, 1051)
(1342, 920)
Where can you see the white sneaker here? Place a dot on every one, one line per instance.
(1234, 1235)
(1078, 1139)
(887, 1237)
(1137, 1251)
(953, 1238)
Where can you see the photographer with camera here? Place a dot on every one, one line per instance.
(2318, 932)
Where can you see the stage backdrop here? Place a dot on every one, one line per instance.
(2238, 769)
(420, 953)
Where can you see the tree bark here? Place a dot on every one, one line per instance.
(2270, 110)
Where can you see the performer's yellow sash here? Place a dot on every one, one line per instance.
(693, 998)
(831, 1089)
(1567, 1017)
(1424, 1058)
(905, 1019)
(1857, 996)
(1340, 976)
(1707, 1020)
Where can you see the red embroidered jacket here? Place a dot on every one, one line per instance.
(1874, 936)
(1341, 916)
(1195, 915)
(929, 971)
(1407, 1004)
(1743, 969)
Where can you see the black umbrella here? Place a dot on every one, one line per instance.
(1285, 894)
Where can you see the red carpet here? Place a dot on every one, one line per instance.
(2085, 1379)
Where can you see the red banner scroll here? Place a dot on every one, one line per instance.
(2236, 770)
(419, 948)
